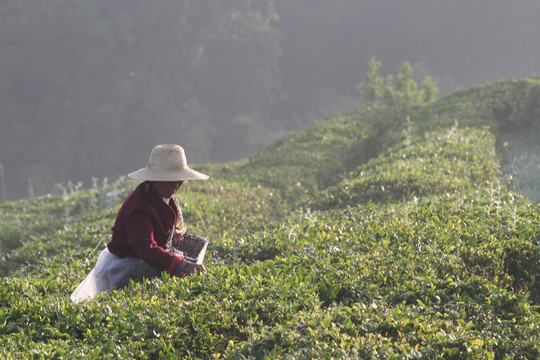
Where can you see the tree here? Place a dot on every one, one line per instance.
(371, 89)
(389, 96)
(401, 90)
(429, 91)
(405, 87)
(85, 81)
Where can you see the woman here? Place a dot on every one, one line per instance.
(146, 221)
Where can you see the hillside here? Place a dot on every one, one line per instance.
(383, 233)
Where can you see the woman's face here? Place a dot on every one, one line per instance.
(166, 189)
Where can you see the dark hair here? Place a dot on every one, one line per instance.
(148, 188)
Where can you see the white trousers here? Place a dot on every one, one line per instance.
(110, 272)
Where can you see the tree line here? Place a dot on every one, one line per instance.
(88, 88)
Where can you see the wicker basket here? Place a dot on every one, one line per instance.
(192, 248)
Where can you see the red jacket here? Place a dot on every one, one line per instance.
(142, 227)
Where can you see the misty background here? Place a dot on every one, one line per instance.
(88, 87)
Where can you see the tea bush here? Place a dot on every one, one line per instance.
(383, 234)
(446, 162)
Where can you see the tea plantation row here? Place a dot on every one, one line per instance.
(383, 234)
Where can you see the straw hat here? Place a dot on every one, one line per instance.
(167, 163)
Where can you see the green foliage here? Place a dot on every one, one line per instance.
(401, 92)
(371, 89)
(381, 234)
(516, 105)
(429, 91)
(405, 87)
(314, 158)
(447, 162)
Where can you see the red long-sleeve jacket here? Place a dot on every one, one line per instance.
(142, 227)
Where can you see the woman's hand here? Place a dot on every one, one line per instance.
(194, 269)
(178, 237)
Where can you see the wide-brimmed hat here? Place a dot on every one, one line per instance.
(167, 163)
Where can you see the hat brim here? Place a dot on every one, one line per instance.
(166, 175)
